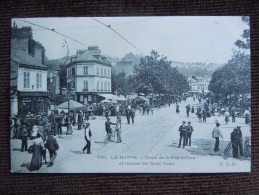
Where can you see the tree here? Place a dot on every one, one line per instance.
(155, 74)
(234, 79)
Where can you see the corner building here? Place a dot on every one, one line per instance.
(89, 75)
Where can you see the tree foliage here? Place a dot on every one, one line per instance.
(234, 78)
(155, 74)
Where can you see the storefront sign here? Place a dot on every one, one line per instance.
(37, 94)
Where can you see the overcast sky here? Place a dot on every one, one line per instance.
(182, 38)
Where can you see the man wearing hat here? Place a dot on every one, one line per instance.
(88, 135)
(183, 134)
(52, 146)
(237, 142)
(216, 133)
(189, 130)
(24, 138)
(108, 129)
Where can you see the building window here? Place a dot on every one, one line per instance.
(109, 86)
(85, 69)
(105, 72)
(108, 72)
(73, 71)
(101, 71)
(105, 86)
(26, 80)
(101, 86)
(85, 85)
(39, 80)
(97, 85)
(97, 70)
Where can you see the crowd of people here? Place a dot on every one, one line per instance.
(208, 110)
(42, 128)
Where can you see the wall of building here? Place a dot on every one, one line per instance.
(33, 80)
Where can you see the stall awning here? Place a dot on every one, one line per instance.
(108, 96)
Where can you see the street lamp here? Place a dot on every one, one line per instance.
(69, 127)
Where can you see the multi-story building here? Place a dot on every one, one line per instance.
(28, 86)
(127, 63)
(198, 84)
(89, 75)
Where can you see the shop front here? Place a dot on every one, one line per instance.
(33, 102)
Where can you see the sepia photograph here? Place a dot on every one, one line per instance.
(164, 94)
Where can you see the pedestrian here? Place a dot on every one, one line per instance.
(216, 133)
(189, 130)
(247, 116)
(233, 112)
(237, 142)
(204, 116)
(118, 131)
(119, 119)
(24, 138)
(226, 116)
(80, 120)
(132, 115)
(127, 112)
(52, 146)
(17, 127)
(177, 108)
(183, 133)
(12, 122)
(36, 160)
(188, 108)
(88, 135)
(193, 110)
(108, 129)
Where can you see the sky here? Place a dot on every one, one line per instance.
(206, 39)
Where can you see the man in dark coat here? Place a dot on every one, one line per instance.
(237, 142)
(183, 134)
(80, 120)
(24, 138)
(189, 130)
(188, 108)
(132, 115)
(108, 129)
(52, 146)
(127, 112)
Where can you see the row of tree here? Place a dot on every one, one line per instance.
(154, 74)
(234, 78)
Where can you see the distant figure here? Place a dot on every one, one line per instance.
(247, 116)
(132, 115)
(226, 116)
(204, 115)
(193, 110)
(216, 133)
(188, 108)
(233, 112)
(177, 108)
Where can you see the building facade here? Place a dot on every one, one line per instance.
(199, 84)
(127, 63)
(28, 86)
(88, 74)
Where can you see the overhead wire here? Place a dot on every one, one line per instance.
(53, 30)
(109, 26)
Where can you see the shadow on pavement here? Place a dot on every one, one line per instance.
(26, 165)
(205, 147)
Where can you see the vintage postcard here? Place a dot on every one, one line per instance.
(130, 94)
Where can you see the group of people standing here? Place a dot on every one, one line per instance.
(185, 134)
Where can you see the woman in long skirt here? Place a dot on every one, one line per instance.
(36, 160)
